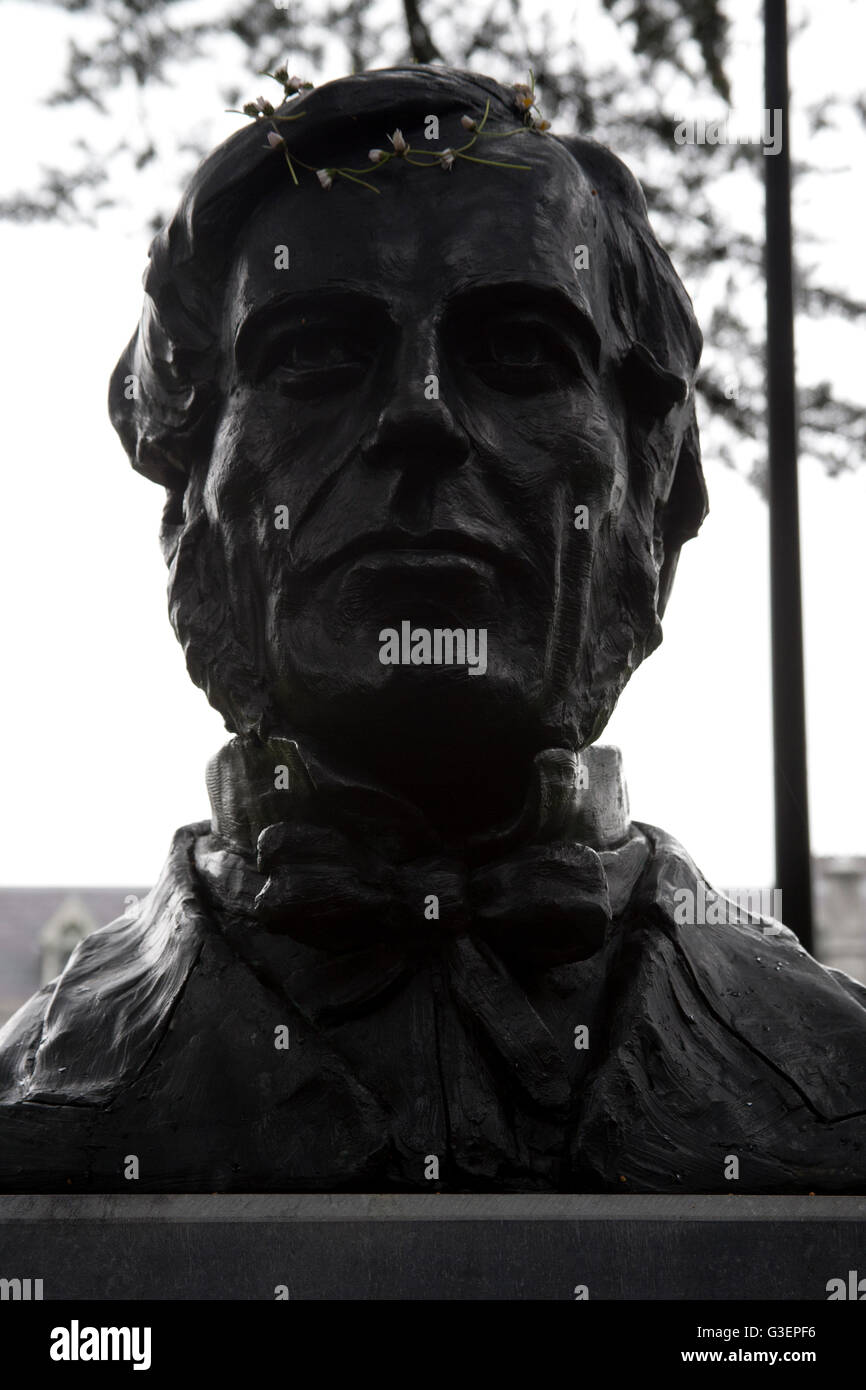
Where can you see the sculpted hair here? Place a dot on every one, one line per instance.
(165, 393)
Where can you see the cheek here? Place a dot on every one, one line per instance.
(272, 451)
(561, 453)
(552, 436)
(238, 468)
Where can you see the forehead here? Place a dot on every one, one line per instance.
(430, 235)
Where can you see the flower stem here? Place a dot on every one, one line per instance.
(496, 163)
(366, 184)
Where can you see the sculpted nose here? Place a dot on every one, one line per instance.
(416, 425)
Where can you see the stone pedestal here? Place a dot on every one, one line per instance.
(432, 1246)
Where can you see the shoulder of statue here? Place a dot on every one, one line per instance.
(754, 976)
(93, 1028)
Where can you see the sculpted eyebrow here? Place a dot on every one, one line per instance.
(524, 298)
(287, 311)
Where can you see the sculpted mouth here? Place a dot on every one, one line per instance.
(434, 547)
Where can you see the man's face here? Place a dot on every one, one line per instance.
(414, 409)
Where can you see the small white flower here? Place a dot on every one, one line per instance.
(263, 105)
(467, 122)
(446, 159)
(399, 142)
(299, 82)
(523, 95)
(274, 140)
(325, 177)
(540, 124)
(376, 156)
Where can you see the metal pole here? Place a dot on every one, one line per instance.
(793, 862)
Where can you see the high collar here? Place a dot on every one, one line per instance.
(254, 783)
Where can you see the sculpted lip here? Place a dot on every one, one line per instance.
(397, 546)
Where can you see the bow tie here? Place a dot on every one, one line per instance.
(545, 905)
(346, 866)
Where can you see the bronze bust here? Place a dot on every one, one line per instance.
(430, 453)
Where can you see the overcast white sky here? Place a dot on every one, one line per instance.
(103, 738)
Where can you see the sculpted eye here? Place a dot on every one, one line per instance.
(314, 349)
(316, 358)
(520, 356)
(518, 344)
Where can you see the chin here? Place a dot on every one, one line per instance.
(441, 708)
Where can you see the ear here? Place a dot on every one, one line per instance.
(650, 387)
(653, 392)
(680, 516)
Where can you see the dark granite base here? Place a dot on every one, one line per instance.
(432, 1247)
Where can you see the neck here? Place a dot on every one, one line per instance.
(561, 797)
(461, 786)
